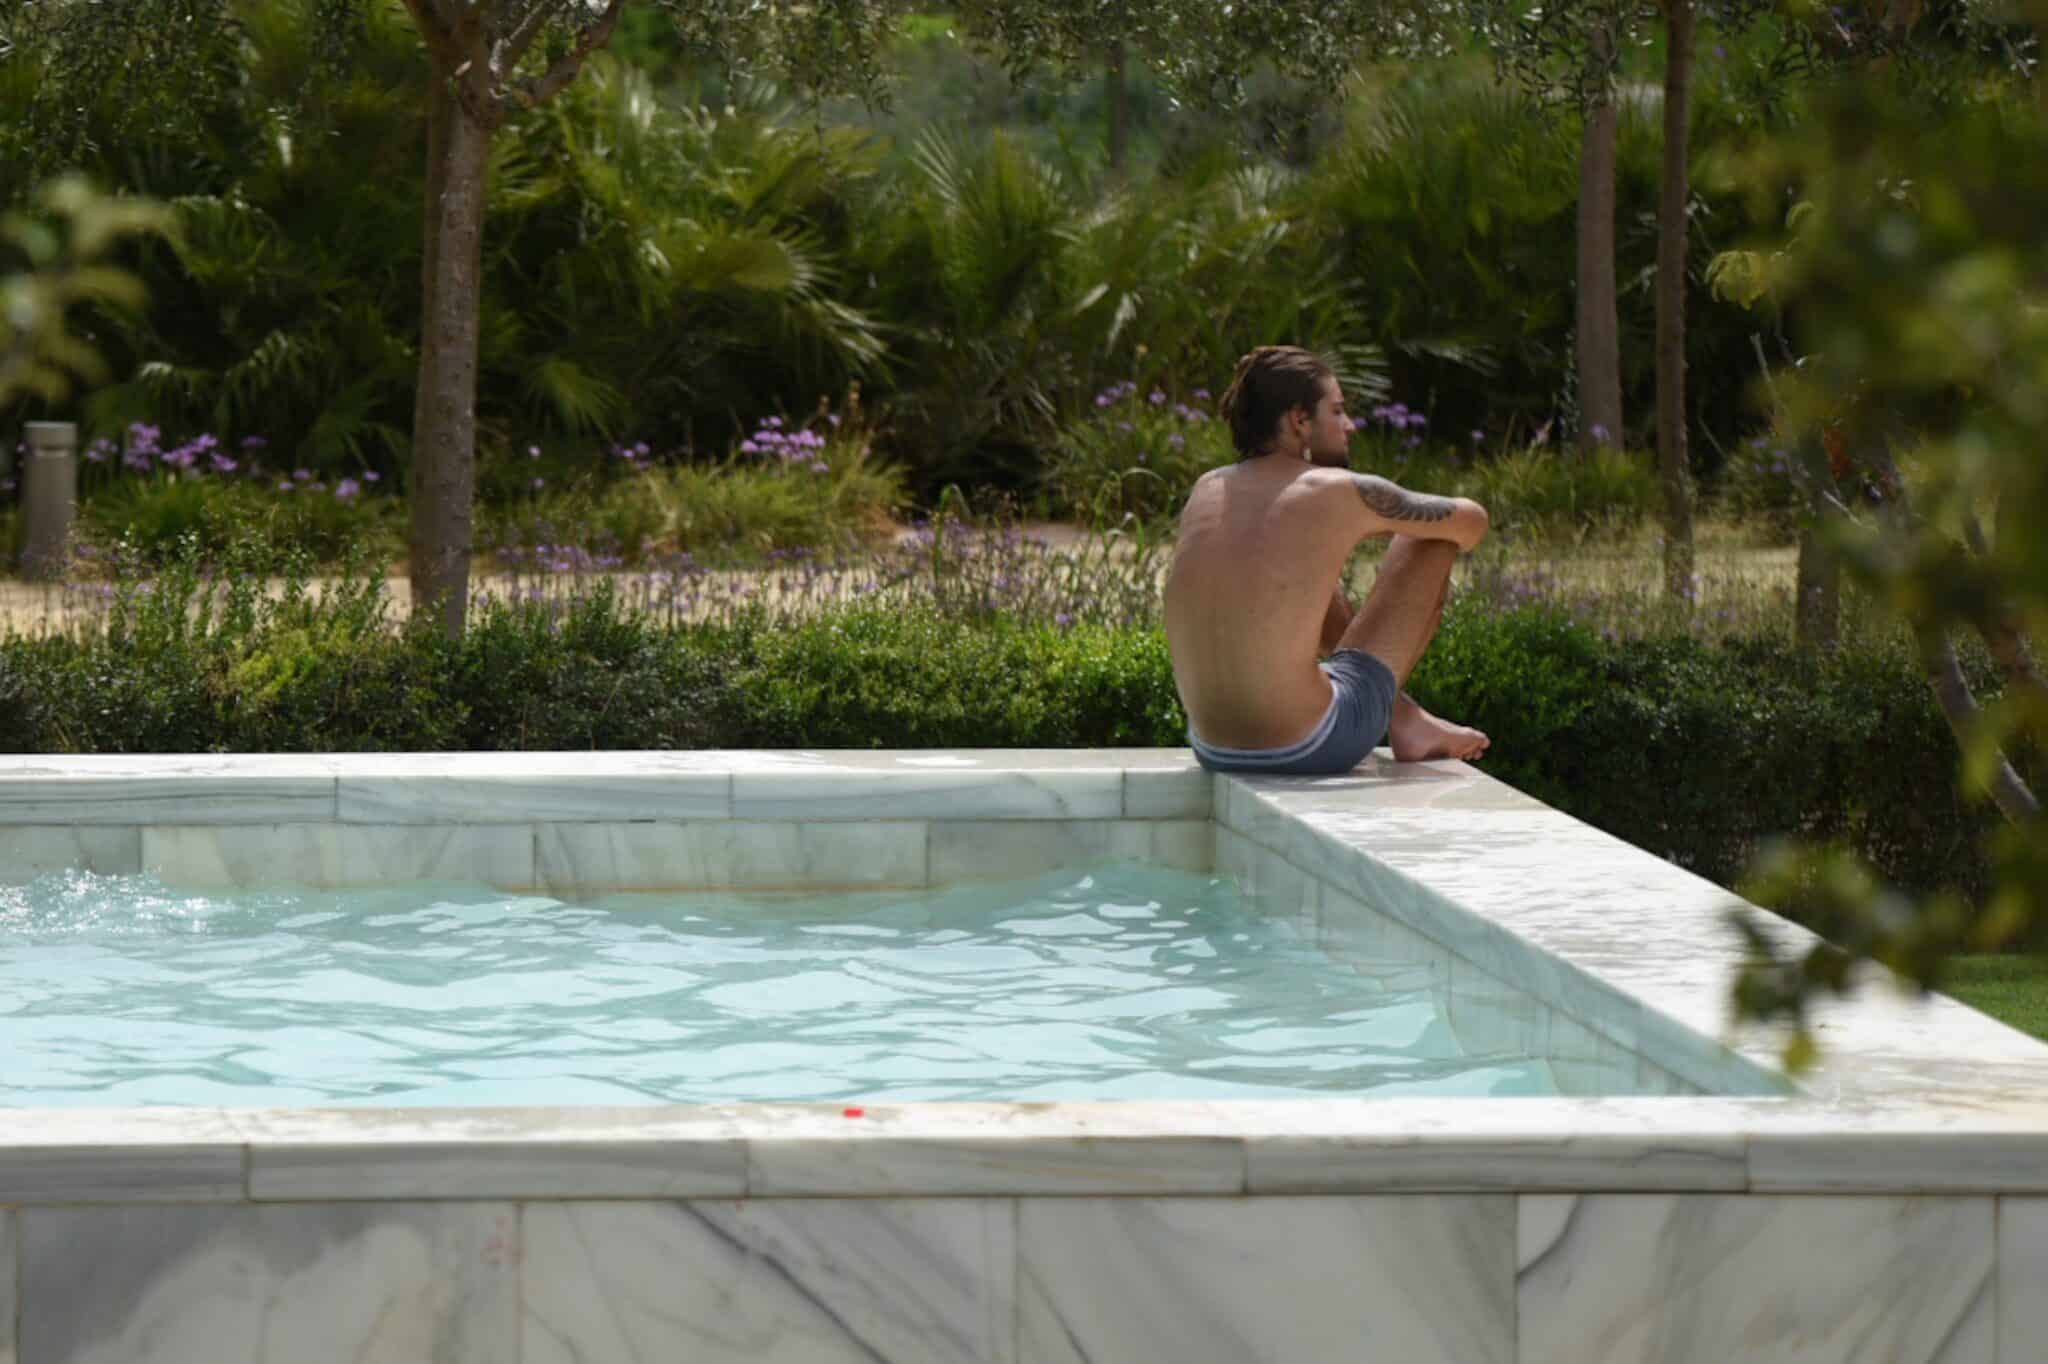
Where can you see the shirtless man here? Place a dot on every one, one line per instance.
(1246, 610)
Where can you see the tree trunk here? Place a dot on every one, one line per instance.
(1672, 459)
(1599, 321)
(444, 411)
(1119, 110)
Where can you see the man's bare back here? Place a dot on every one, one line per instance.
(1252, 597)
(1259, 546)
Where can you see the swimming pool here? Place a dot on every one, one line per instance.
(1117, 982)
(1888, 1206)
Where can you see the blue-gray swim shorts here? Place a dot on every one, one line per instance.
(1361, 702)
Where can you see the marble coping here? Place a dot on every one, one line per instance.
(1914, 1095)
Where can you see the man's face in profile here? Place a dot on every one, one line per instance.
(1329, 437)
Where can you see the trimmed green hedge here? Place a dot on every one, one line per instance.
(1695, 751)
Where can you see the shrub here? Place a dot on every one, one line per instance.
(1561, 493)
(155, 501)
(1134, 456)
(1699, 751)
(814, 486)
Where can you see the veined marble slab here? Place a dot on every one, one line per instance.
(656, 1152)
(540, 787)
(1466, 1145)
(1167, 792)
(301, 1284)
(141, 789)
(996, 850)
(9, 1267)
(730, 855)
(988, 1149)
(1229, 1280)
(904, 1280)
(929, 793)
(331, 855)
(109, 1155)
(2022, 1279)
(1700, 1277)
(1592, 925)
(31, 850)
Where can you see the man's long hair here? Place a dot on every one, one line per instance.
(1270, 382)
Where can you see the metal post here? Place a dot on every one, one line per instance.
(49, 498)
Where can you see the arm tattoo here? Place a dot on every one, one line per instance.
(1398, 504)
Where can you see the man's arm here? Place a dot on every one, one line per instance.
(1391, 509)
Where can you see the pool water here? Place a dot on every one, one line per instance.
(1117, 982)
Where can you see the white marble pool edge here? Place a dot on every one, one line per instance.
(1516, 1229)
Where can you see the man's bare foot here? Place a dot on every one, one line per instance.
(1416, 735)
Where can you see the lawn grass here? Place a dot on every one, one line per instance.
(2011, 988)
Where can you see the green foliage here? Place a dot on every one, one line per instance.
(1560, 493)
(1701, 751)
(2010, 987)
(50, 253)
(157, 516)
(884, 678)
(1135, 456)
(817, 487)
(1914, 286)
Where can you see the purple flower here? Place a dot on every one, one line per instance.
(533, 452)
(346, 489)
(1063, 620)
(1156, 398)
(253, 442)
(302, 475)
(223, 465)
(833, 418)
(819, 466)
(539, 483)
(1202, 395)
(1478, 436)
(372, 476)
(748, 447)
(284, 485)
(1599, 431)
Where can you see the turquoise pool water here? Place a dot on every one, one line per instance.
(1119, 982)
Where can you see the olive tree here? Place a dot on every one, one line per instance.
(1917, 284)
